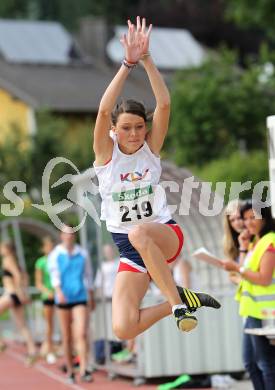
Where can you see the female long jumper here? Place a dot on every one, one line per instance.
(134, 205)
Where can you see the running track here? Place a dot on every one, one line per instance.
(14, 375)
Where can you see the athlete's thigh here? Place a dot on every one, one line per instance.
(164, 237)
(5, 302)
(65, 319)
(79, 316)
(19, 315)
(129, 290)
(48, 311)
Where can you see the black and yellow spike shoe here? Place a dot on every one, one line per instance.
(196, 300)
(185, 320)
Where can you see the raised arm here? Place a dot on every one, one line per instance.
(161, 115)
(103, 145)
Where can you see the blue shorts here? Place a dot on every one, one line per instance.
(130, 259)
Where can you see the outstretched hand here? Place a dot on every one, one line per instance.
(136, 42)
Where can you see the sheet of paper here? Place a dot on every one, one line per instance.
(204, 255)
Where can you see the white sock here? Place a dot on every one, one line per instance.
(180, 306)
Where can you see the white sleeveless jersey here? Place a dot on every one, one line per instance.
(130, 190)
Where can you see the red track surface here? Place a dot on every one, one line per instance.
(14, 375)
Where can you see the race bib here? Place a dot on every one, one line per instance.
(131, 205)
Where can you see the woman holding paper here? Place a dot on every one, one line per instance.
(256, 292)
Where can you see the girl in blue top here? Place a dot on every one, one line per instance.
(71, 277)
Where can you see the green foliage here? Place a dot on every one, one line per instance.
(219, 108)
(23, 158)
(68, 12)
(258, 14)
(14, 157)
(13, 8)
(237, 167)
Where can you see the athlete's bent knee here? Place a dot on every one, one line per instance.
(121, 332)
(139, 237)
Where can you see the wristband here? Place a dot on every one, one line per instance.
(130, 62)
(242, 270)
(144, 56)
(243, 250)
(129, 65)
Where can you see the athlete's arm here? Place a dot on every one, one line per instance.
(103, 144)
(54, 269)
(39, 282)
(264, 276)
(55, 275)
(156, 136)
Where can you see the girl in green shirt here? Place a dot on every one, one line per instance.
(43, 284)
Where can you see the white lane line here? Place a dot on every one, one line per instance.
(44, 370)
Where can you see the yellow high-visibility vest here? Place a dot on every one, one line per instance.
(255, 300)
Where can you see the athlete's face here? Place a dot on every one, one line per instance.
(254, 224)
(236, 221)
(67, 236)
(131, 131)
(47, 246)
(108, 252)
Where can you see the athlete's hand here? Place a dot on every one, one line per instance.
(60, 296)
(136, 42)
(244, 239)
(50, 295)
(235, 277)
(143, 35)
(230, 265)
(25, 299)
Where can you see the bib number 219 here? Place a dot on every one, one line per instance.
(136, 212)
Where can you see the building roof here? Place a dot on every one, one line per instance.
(23, 41)
(36, 65)
(171, 48)
(72, 88)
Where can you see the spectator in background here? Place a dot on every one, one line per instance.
(15, 296)
(256, 293)
(44, 285)
(233, 225)
(71, 277)
(183, 274)
(106, 274)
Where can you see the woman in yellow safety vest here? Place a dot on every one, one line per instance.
(256, 292)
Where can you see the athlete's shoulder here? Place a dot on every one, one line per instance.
(78, 249)
(57, 250)
(40, 262)
(148, 148)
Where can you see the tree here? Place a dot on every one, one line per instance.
(14, 157)
(24, 157)
(219, 108)
(13, 8)
(59, 137)
(237, 167)
(260, 14)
